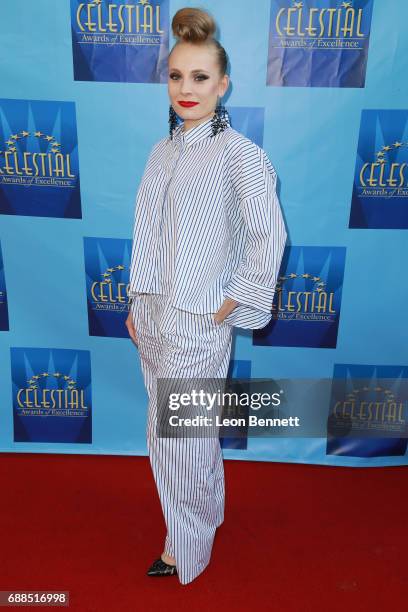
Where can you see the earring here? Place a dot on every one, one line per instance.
(220, 120)
(172, 120)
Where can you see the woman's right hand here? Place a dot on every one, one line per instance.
(131, 327)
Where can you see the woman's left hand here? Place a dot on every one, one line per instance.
(227, 306)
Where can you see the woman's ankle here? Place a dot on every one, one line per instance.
(167, 559)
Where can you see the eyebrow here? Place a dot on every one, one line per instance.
(193, 71)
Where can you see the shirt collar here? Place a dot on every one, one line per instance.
(194, 134)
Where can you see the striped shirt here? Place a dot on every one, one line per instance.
(228, 233)
(166, 256)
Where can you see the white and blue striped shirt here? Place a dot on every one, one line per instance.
(228, 233)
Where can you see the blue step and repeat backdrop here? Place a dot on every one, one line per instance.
(321, 85)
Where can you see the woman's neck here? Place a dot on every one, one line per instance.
(188, 125)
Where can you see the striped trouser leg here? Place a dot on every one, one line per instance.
(219, 498)
(188, 472)
(150, 347)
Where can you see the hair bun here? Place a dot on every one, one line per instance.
(193, 25)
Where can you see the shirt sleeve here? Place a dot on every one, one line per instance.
(254, 183)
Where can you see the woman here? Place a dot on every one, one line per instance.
(207, 246)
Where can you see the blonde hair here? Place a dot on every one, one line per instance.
(197, 26)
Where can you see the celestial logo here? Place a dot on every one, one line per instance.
(51, 395)
(318, 43)
(120, 41)
(39, 168)
(306, 306)
(370, 400)
(380, 188)
(107, 263)
(4, 319)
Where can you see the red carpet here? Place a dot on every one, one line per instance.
(295, 537)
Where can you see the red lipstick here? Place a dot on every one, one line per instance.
(187, 104)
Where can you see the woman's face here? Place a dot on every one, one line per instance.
(194, 77)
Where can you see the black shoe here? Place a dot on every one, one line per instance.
(160, 568)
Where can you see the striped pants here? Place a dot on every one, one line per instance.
(188, 472)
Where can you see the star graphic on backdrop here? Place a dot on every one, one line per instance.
(319, 286)
(69, 379)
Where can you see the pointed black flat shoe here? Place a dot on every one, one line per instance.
(160, 568)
